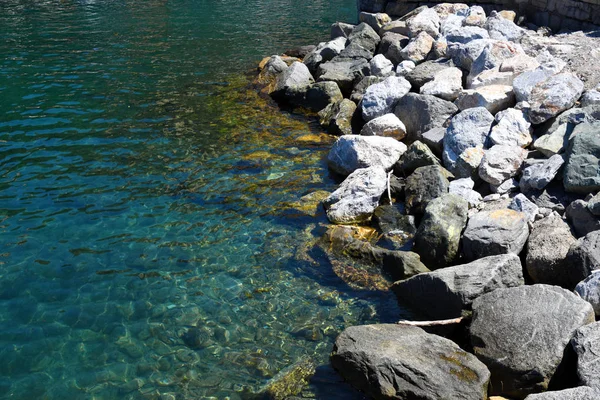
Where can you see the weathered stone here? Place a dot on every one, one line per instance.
(381, 66)
(491, 58)
(494, 98)
(539, 175)
(583, 258)
(405, 67)
(463, 55)
(547, 251)
(524, 84)
(446, 10)
(522, 204)
(586, 343)
(582, 174)
(398, 26)
(463, 187)
(594, 205)
(501, 28)
(519, 64)
(387, 125)
(553, 96)
(361, 87)
(351, 152)
(424, 185)
(345, 73)
(417, 155)
(589, 290)
(491, 233)
(427, 21)
(421, 112)
(512, 129)
(553, 196)
(501, 163)
(508, 186)
(398, 230)
(418, 48)
(354, 51)
(357, 197)
(364, 36)
(438, 236)
(555, 142)
(446, 84)
(341, 29)
(293, 82)
(425, 72)
(475, 16)
(337, 117)
(434, 139)
(391, 45)
(319, 95)
(590, 97)
(439, 48)
(324, 52)
(467, 164)
(445, 293)
(512, 335)
(374, 20)
(381, 98)
(404, 362)
(578, 393)
(464, 34)
(470, 128)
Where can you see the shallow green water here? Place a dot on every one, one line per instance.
(148, 242)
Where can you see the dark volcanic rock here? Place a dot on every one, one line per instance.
(391, 361)
(416, 155)
(445, 293)
(521, 334)
(424, 185)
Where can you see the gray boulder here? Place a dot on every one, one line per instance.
(467, 164)
(501, 28)
(351, 152)
(494, 98)
(387, 125)
(374, 20)
(539, 175)
(496, 232)
(463, 55)
(346, 73)
(427, 20)
(490, 59)
(582, 174)
(405, 67)
(421, 113)
(470, 128)
(594, 205)
(583, 258)
(364, 36)
(521, 334)
(463, 187)
(337, 117)
(438, 237)
(464, 34)
(590, 97)
(522, 204)
(381, 98)
(361, 87)
(424, 185)
(434, 139)
(381, 66)
(319, 95)
(341, 29)
(547, 250)
(580, 217)
(445, 293)
(418, 48)
(390, 361)
(292, 83)
(391, 45)
(586, 343)
(446, 84)
(357, 197)
(524, 84)
(425, 72)
(589, 290)
(512, 129)
(578, 393)
(501, 162)
(324, 52)
(553, 96)
(417, 155)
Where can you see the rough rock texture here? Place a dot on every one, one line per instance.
(434, 139)
(341, 29)
(501, 28)
(405, 67)
(524, 84)
(470, 128)
(398, 230)
(324, 52)
(293, 82)
(391, 45)
(547, 250)
(346, 73)
(463, 187)
(424, 185)
(580, 217)
(553, 96)
(586, 343)
(361, 87)
(578, 393)
(512, 129)
(438, 237)
(538, 176)
(421, 113)
(417, 155)
(589, 290)
(467, 164)
(446, 84)
(389, 361)
(381, 66)
(351, 152)
(494, 98)
(463, 55)
(501, 163)
(521, 334)
(594, 205)
(387, 125)
(488, 63)
(418, 48)
(319, 95)
(583, 258)
(337, 117)
(374, 20)
(490, 233)
(381, 98)
(357, 197)
(582, 174)
(445, 293)
(427, 20)
(364, 36)
(522, 204)
(425, 72)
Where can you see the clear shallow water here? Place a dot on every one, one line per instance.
(148, 239)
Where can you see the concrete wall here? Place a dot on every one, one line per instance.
(556, 14)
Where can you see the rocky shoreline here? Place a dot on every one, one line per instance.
(469, 148)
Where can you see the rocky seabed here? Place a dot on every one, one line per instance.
(471, 144)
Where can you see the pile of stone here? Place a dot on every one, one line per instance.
(478, 137)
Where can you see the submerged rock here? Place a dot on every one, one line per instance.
(293, 83)
(288, 382)
(337, 117)
(404, 362)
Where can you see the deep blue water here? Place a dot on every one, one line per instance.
(148, 242)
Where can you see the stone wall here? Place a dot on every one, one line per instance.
(556, 14)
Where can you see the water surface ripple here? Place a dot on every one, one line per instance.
(148, 248)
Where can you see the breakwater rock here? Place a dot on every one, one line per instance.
(469, 146)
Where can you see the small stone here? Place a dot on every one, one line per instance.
(387, 125)
(512, 129)
(381, 98)
(494, 98)
(446, 84)
(424, 185)
(418, 48)
(337, 117)
(538, 176)
(501, 163)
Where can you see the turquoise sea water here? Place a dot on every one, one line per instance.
(149, 245)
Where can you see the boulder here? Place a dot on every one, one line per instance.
(590, 97)
(524, 84)
(467, 164)
(424, 185)
(381, 66)
(397, 229)
(355, 51)
(583, 258)
(361, 87)
(582, 174)
(519, 64)
(593, 205)
(319, 95)
(374, 20)
(580, 217)
(447, 292)
(463, 34)
(346, 73)
(446, 84)
(463, 187)
(586, 343)
(470, 128)
(439, 48)
(425, 72)
(501, 28)
(292, 83)
(418, 48)
(301, 51)
(474, 16)
(578, 393)
(341, 29)
(405, 67)
(490, 59)
(496, 232)
(417, 155)
(494, 98)
(351, 152)
(464, 54)
(397, 26)
(364, 36)
(521, 334)
(387, 125)
(357, 197)
(553, 96)
(512, 129)
(324, 52)
(404, 362)
(381, 98)
(391, 45)
(421, 112)
(267, 78)
(552, 197)
(589, 290)
(539, 175)
(547, 249)
(522, 204)
(337, 117)
(438, 237)
(434, 139)
(427, 21)
(501, 163)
